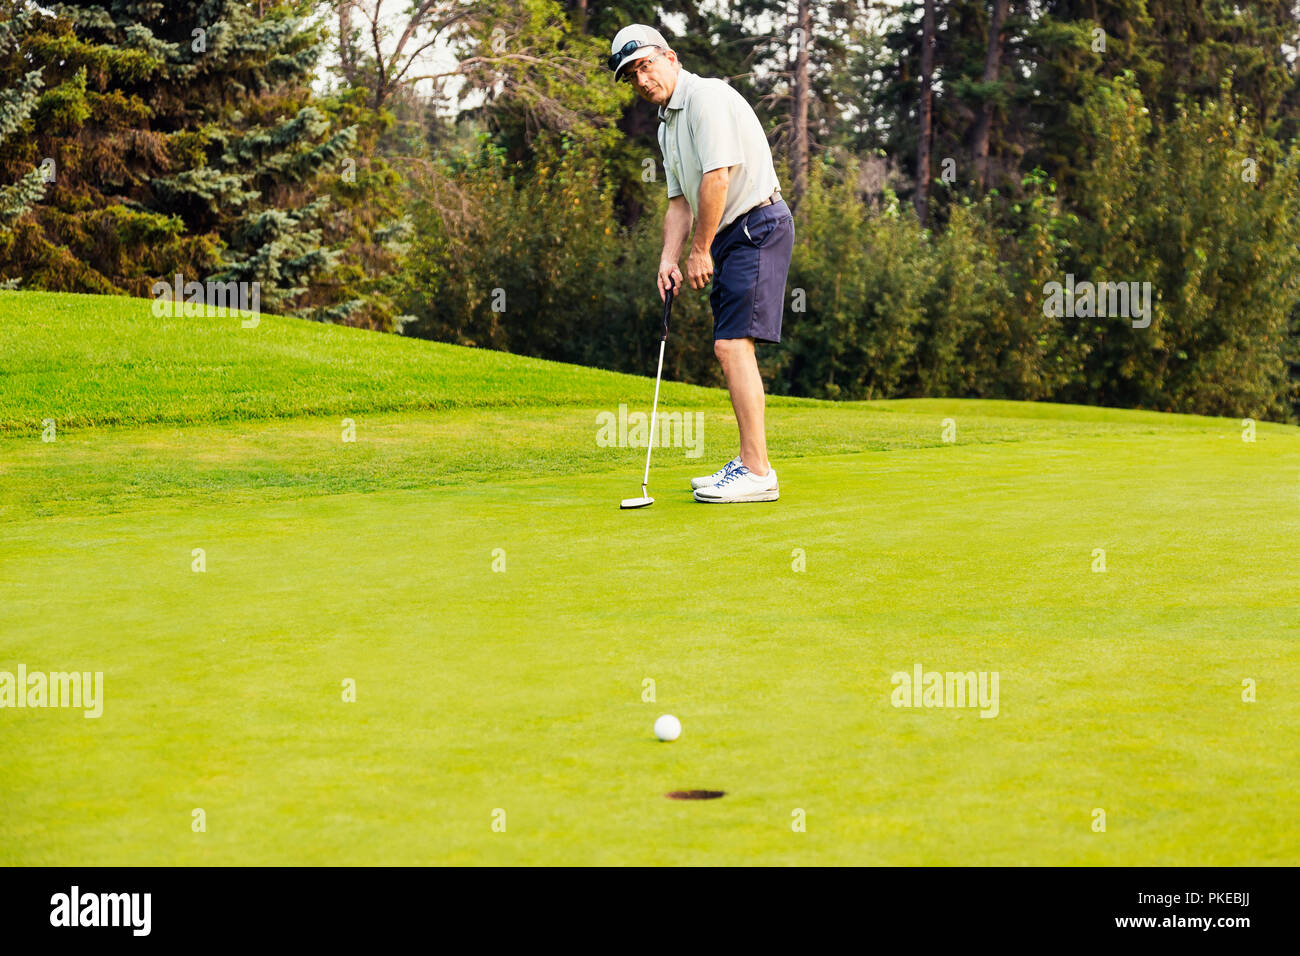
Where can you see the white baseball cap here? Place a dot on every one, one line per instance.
(633, 43)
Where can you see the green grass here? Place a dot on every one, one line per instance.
(522, 689)
(90, 360)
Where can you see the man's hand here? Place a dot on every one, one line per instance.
(699, 268)
(669, 277)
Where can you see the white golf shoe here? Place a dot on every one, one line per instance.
(717, 476)
(739, 485)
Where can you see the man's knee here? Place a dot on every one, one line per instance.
(728, 349)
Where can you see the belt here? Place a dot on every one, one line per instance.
(774, 198)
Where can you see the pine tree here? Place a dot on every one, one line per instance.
(185, 141)
(79, 235)
(15, 109)
(369, 224)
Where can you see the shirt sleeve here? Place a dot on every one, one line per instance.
(717, 134)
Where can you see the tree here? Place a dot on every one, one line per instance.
(799, 117)
(519, 54)
(1203, 208)
(924, 107)
(1178, 53)
(16, 107)
(15, 111)
(184, 141)
(380, 53)
(89, 231)
(990, 78)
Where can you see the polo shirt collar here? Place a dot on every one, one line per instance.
(678, 100)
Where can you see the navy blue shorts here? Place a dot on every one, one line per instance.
(751, 259)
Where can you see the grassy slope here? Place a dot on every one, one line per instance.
(91, 360)
(522, 689)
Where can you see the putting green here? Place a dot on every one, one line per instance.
(467, 566)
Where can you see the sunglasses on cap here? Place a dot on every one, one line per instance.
(630, 47)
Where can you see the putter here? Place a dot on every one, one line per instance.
(645, 501)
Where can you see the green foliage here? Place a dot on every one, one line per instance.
(863, 273)
(532, 260)
(19, 197)
(187, 137)
(368, 221)
(16, 107)
(197, 115)
(16, 104)
(541, 76)
(893, 309)
(1205, 210)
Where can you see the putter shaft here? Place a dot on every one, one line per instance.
(654, 416)
(654, 410)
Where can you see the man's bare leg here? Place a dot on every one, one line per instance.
(747, 400)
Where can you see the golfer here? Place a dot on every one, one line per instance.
(721, 179)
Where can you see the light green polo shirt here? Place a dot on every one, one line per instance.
(705, 126)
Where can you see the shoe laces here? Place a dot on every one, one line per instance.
(736, 473)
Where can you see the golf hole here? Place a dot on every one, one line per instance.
(695, 794)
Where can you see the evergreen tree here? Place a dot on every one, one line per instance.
(15, 111)
(185, 141)
(368, 222)
(88, 232)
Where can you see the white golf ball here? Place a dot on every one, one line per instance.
(668, 727)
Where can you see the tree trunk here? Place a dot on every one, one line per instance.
(799, 119)
(923, 140)
(984, 124)
(347, 52)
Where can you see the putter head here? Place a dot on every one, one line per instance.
(636, 503)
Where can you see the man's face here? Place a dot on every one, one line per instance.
(654, 77)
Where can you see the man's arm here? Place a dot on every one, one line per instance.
(677, 226)
(713, 199)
